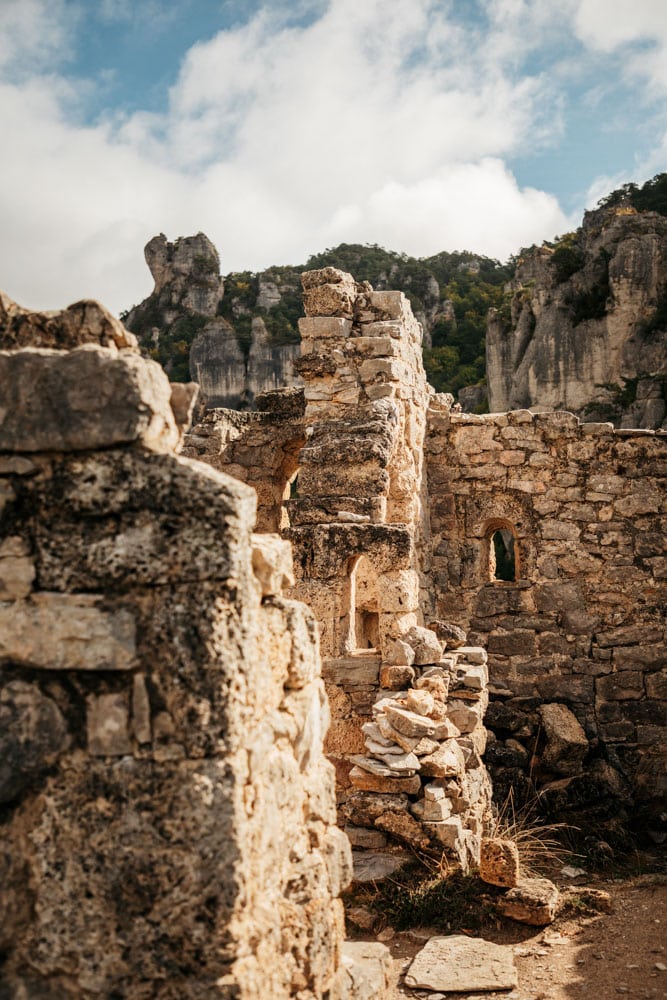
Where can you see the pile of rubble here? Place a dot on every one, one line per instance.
(422, 779)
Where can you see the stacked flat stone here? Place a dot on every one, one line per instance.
(423, 759)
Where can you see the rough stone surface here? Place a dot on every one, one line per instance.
(545, 359)
(581, 624)
(462, 964)
(532, 901)
(566, 740)
(370, 866)
(84, 322)
(368, 971)
(33, 734)
(499, 862)
(187, 296)
(358, 526)
(91, 397)
(67, 632)
(169, 821)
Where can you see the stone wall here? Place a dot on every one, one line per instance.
(342, 475)
(168, 819)
(583, 621)
(261, 448)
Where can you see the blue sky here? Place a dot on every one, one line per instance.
(280, 128)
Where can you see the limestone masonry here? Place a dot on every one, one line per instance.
(170, 681)
(168, 817)
(401, 510)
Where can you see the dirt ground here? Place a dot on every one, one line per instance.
(583, 954)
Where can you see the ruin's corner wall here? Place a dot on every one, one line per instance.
(168, 818)
(353, 438)
(584, 621)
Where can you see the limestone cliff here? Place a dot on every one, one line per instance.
(246, 342)
(186, 325)
(584, 324)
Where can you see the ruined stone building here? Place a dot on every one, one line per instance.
(167, 676)
(168, 817)
(540, 536)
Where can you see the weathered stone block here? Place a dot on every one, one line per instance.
(402, 826)
(426, 645)
(351, 671)
(640, 657)
(88, 398)
(328, 293)
(324, 327)
(367, 782)
(449, 832)
(466, 716)
(460, 964)
(499, 862)
(420, 701)
(393, 677)
(566, 740)
(367, 972)
(66, 632)
(409, 723)
(107, 724)
(85, 322)
(656, 685)
(399, 591)
(33, 734)
(533, 901)
(360, 836)
(17, 569)
(363, 808)
(272, 564)
(622, 686)
(124, 517)
(447, 762)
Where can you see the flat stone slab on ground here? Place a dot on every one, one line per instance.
(373, 866)
(458, 964)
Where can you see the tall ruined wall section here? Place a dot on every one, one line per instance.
(168, 819)
(346, 456)
(583, 622)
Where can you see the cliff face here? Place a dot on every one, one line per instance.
(584, 324)
(186, 325)
(246, 341)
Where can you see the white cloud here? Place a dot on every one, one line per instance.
(453, 210)
(607, 25)
(35, 34)
(383, 121)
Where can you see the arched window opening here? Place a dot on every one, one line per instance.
(361, 616)
(291, 492)
(502, 555)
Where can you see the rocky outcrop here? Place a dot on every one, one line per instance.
(186, 275)
(247, 342)
(168, 818)
(584, 326)
(222, 347)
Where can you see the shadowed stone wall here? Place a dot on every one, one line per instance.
(167, 816)
(583, 621)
